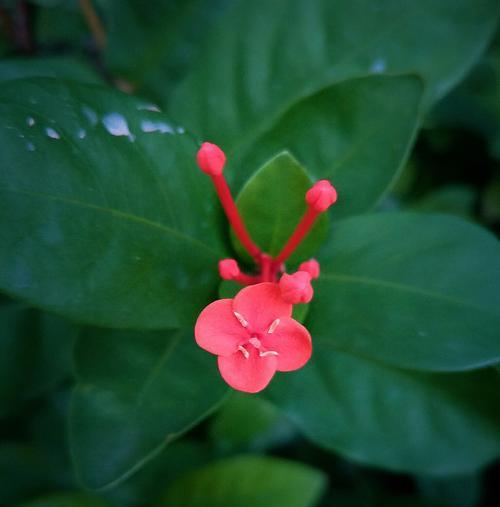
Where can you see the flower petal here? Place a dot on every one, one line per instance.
(249, 375)
(217, 330)
(261, 304)
(292, 342)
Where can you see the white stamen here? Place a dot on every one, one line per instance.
(244, 351)
(273, 326)
(255, 342)
(241, 319)
(268, 353)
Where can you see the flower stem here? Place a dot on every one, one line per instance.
(234, 217)
(302, 229)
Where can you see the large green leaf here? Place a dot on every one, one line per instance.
(24, 472)
(262, 57)
(103, 214)
(475, 104)
(454, 491)
(355, 133)
(143, 38)
(137, 392)
(272, 203)
(248, 422)
(416, 291)
(60, 67)
(432, 423)
(149, 483)
(35, 353)
(247, 480)
(76, 499)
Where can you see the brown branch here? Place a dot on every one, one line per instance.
(94, 23)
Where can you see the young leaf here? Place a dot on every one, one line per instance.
(137, 392)
(104, 216)
(414, 291)
(406, 421)
(247, 480)
(272, 203)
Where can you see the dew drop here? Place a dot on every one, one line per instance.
(149, 107)
(52, 133)
(30, 146)
(116, 125)
(82, 134)
(156, 126)
(90, 114)
(378, 66)
(180, 130)
(30, 121)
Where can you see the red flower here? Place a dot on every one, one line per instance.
(253, 336)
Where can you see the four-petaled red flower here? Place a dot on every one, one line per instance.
(253, 336)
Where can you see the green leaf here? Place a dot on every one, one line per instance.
(490, 205)
(455, 491)
(148, 484)
(228, 289)
(248, 422)
(24, 472)
(35, 354)
(255, 66)
(416, 291)
(247, 480)
(272, 203)
(427, 423)
(454, 199)
(114, 224)
(137, 392)
(57, 67)
(355, 133)
(475, 104)
(141, 37)
(76, 499)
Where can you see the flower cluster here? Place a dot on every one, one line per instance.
(254, 334)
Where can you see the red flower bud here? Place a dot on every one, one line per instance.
(311, 266)
(211, 159)
(321, 196)
(296, 288)
(228, 269)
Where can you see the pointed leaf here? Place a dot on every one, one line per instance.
(247, 480)
(415, 291)
(104, 216)
(355, 134)
(137, 392)
(428, 423)
(254, 66)
(272, 202)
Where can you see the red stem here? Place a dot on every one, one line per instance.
(266, 265)
(246, 279)
(233, 216)
(302, 229)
